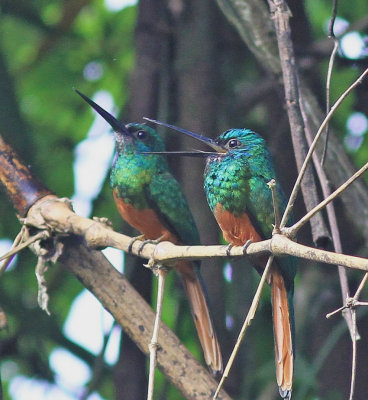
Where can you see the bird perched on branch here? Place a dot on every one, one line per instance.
(235, 181)
(149, 198)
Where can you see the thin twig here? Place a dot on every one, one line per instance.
(272, 185)
(352, 302)
(319, 361)
(360, 288)
(161, 273)
(353, 362)
(7, 260)
(291, 231)
(313, 146)
(281, 14)
(332, 219)
(331, 32)
(39, 236)
(246, 324)
(331, 35)
(331, 314)
(328, 84)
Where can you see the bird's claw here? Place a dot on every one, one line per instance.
(245, 247)
(134, 239)
(151, 241)
(228, 249)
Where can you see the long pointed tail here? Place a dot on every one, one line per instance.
(201, 316)
(283, 320)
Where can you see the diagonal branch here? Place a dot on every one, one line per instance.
(293, 229)
(96, 273)
(332, 219)
(281, 15)
(251, 20)
(137, 319)
(55, 214)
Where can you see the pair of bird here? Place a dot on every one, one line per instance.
(237, 171)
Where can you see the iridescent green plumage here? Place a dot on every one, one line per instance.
(238, 181)
(144, 181)
(236, 188)
(149, 198)
(235, 182)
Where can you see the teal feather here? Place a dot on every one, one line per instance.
(144, 181)
(150, 199)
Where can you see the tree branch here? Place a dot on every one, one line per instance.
(251, 19)
(96, 273)
(281, 15)
(55, 214)
(137, 318)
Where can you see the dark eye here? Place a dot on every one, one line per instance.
(233, 143)
(141, 135)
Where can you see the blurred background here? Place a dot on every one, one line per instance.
(181, 62)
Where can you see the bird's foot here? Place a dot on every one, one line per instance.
(134, 239)
(228, 249)
(245, 247)
(151, 241)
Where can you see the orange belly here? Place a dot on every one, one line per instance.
(145, 221)
(236, 230)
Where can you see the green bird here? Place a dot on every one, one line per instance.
(149, 198)
(235, 182)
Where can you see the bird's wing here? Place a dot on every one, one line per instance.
(166, 197)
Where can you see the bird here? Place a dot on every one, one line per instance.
(235, 181)
(151, 200)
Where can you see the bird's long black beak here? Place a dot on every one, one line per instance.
(116, 125)
(201, 138)
(194, 153)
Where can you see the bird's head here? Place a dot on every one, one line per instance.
(131, 137)
(239, 140)
(230, 142)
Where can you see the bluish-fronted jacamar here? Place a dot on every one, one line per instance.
(149, 198)
(235, 182)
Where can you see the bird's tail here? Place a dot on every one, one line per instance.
(283, 326)
(201, 315)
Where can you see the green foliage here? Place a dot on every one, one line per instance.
(45, 62)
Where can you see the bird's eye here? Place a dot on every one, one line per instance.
(233, 143)
(141, 135)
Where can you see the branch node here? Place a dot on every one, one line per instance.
(104, 221)
(351, 303)
(272, 186)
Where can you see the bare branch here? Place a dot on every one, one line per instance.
(92, 269)
(272, 185)
(161, 273)
(16, 249)
(281, 14)
(251, 20)
(7, 258)
(293, 229)
(55, 214)
(137, 319)
(314, 143)
(332, 219)
(354, 358)
(328, 84)
(360, 288)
